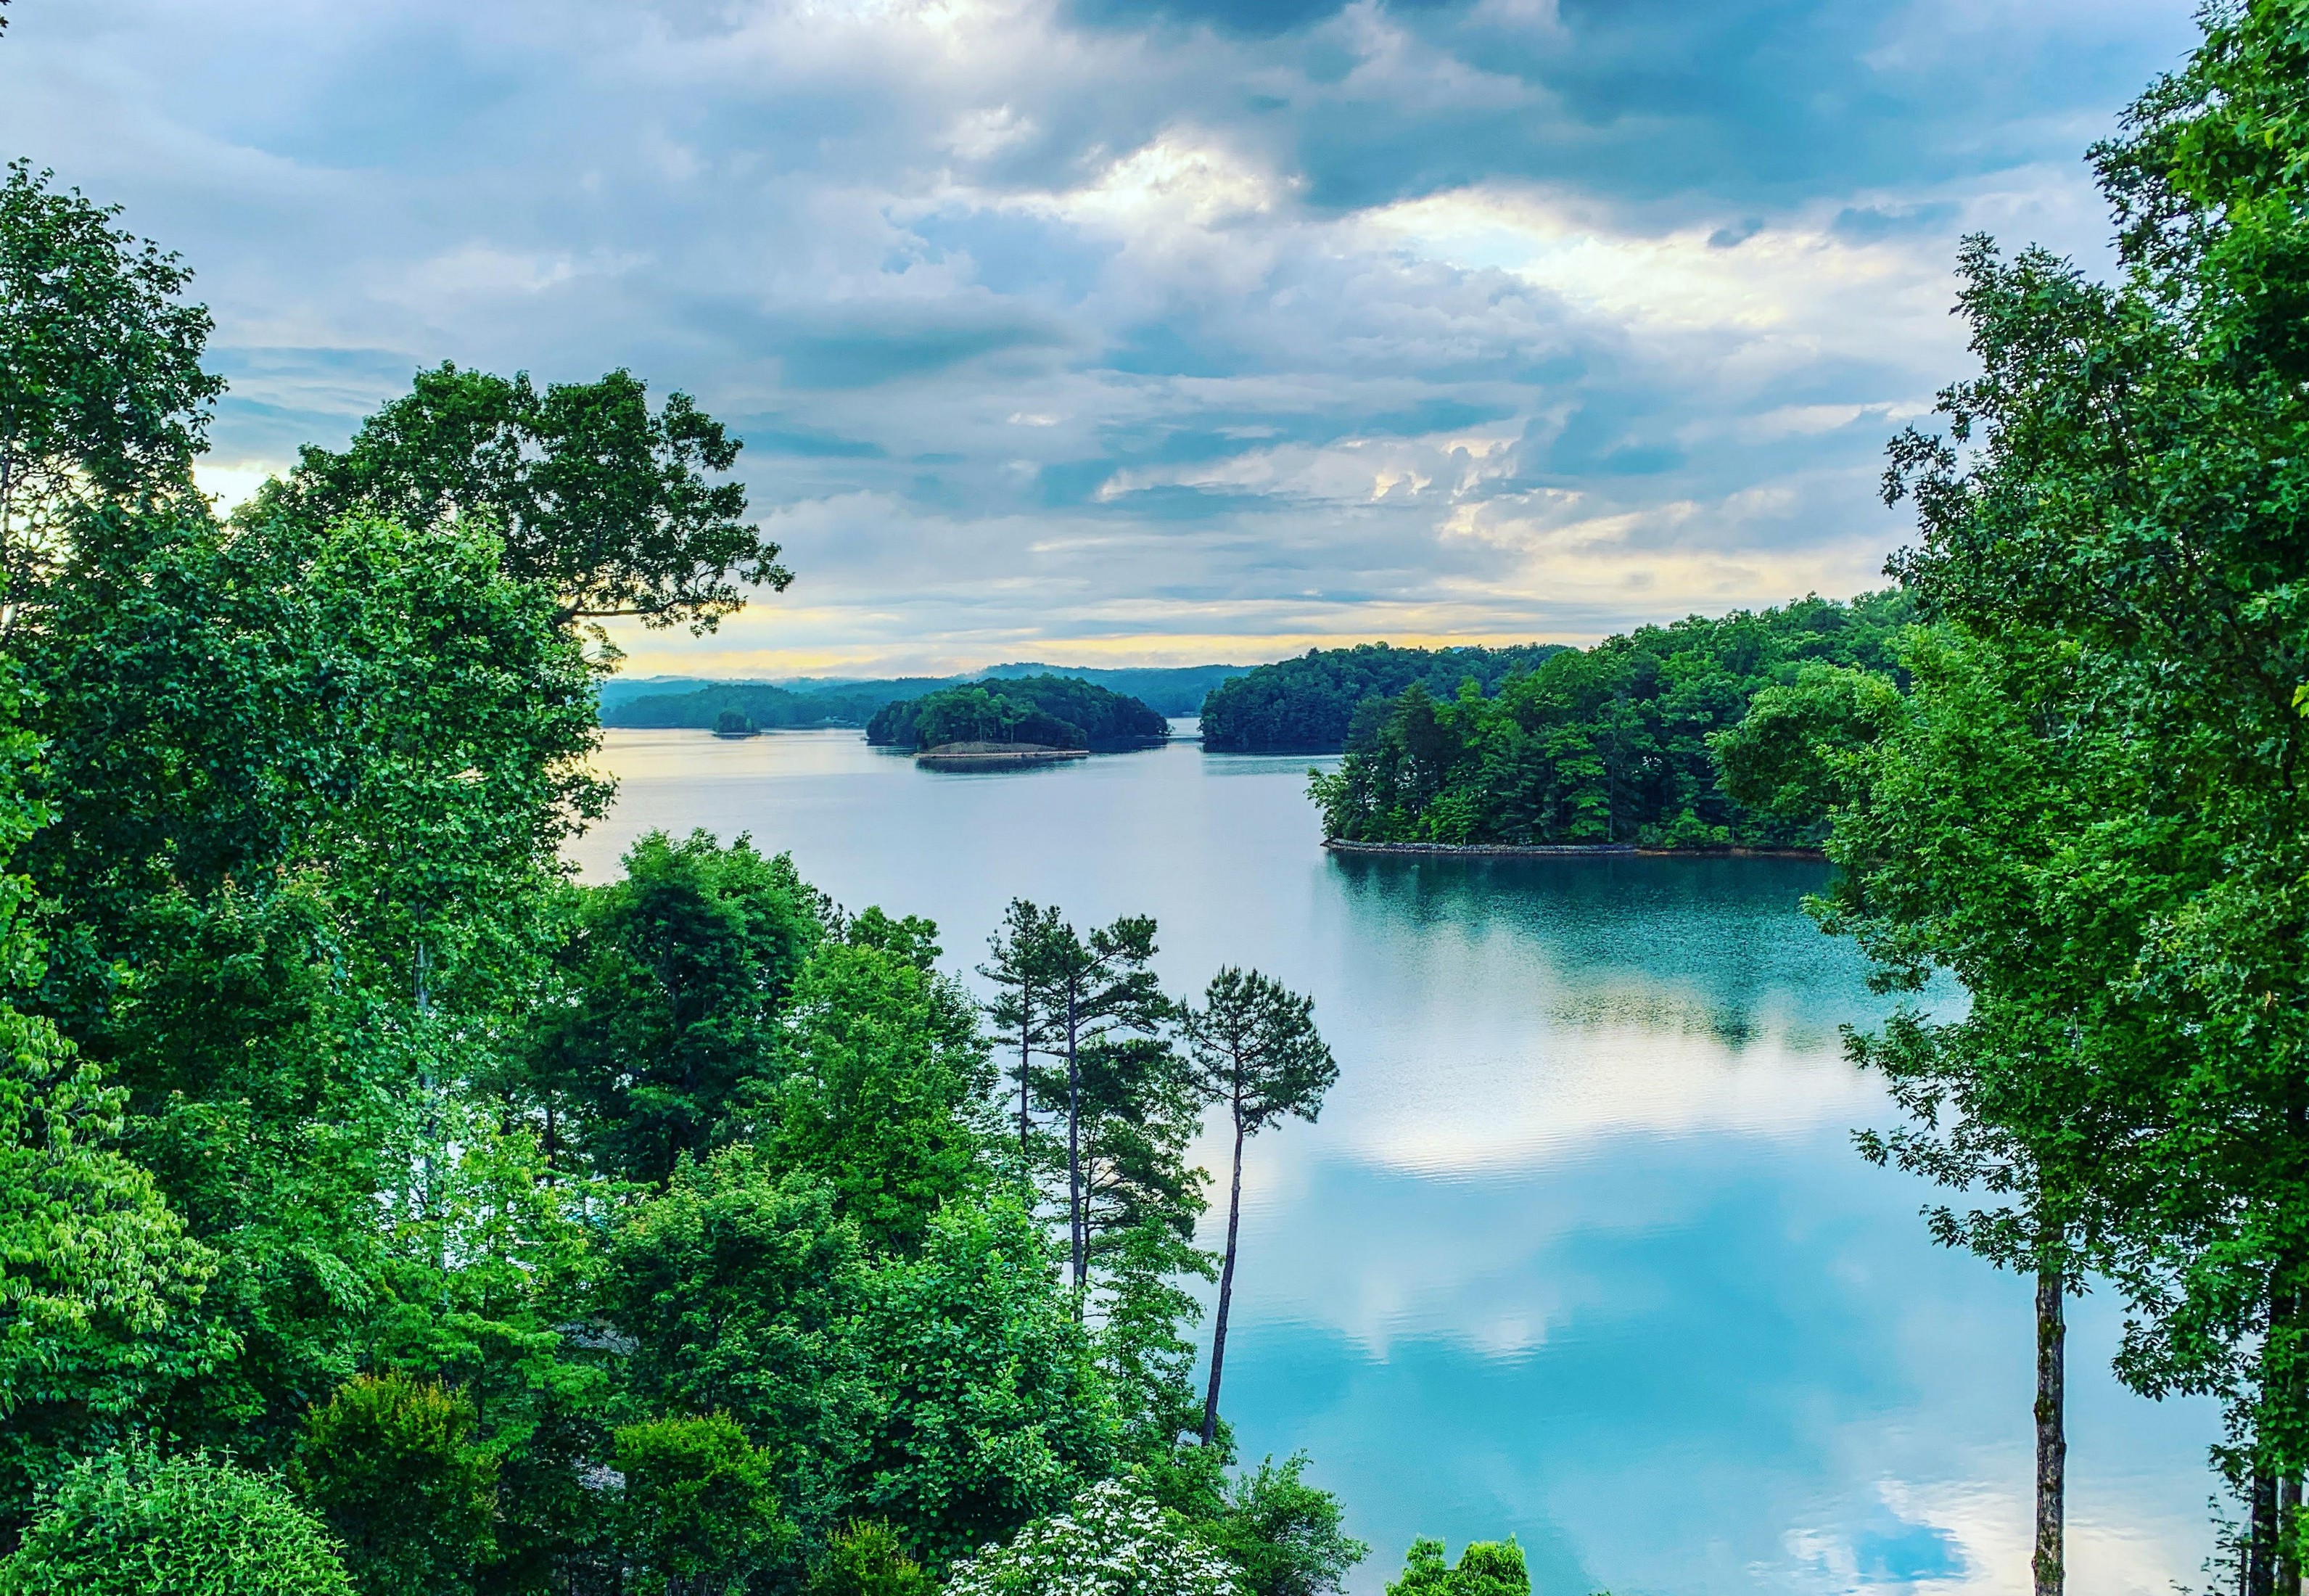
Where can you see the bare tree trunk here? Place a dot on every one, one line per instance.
(1226, 1287)
(2288, 1524)
(1025, 1057)
(2051, 1431)
(1074, 1151)
(2261, 1552)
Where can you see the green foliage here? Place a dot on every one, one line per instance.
(1283, 1535)
(732, 722)
(677, 974)
(1309, 705)
(601, 501)
(700, 1507)
(1486, 1568)
(1609, 744)
(865, 1558)
(130, 1524)
(986, 1405)
(1055, 711)
(101, 390)
(391, 1465)
(881, 1077)
(1112, 1540)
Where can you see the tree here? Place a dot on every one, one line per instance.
(1486, 1568)
(988, 1407)
(1112, 1540)
(102, 396)
(392, 1466)
(1020, 970)
(1283, 1535)
(600, 500)
(678, 976)
(881, 1083)
(699, 1503)
(1255, 1049)
(133, 1525)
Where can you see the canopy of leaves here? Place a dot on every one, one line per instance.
(1306, 706)
(1054, 711)
(599, 499)
(101, 390)
(1608, 744)
(130, 1524)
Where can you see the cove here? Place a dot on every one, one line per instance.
(1580, 1248)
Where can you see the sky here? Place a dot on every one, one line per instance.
(1109, 332)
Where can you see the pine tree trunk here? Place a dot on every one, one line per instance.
(2051, 1431)
(1026, 1059)
(1073, 1153)
(1226, 1287)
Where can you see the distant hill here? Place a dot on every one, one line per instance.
(690, 702)
(1059, 711)
(1306, 705)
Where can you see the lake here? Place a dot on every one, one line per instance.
(1579, 1249)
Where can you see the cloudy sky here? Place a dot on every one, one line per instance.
(1107, 331)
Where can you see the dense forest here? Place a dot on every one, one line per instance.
(1168, 692)
(1053, 711)
(383, 1212)
(1609, 744)
(1308, 705)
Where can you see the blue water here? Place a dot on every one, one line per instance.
(1579, 1249)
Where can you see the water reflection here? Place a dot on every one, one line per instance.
(1579, 1249)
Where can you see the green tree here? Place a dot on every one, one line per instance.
(101, 392)
(677, 975)
(988, 1407)
(1020, 969)
(599, 499)
(700, 1506)
(866, 1557)
(133, 1525)
(1283, 1535)
(1256, 1050)
(1486, 1568)
(881, 1083)
(392, 1467)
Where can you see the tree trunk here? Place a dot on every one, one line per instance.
(1226, 1287)
(2261, 1550)
(1025, 1058)
(1073, 1152)
(2288, 1524)
(2052, 1435)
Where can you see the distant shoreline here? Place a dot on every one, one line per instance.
(1504, 850)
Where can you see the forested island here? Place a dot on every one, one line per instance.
(763, 705)
(1609, 745)
(1056, 712)
(1308, 705)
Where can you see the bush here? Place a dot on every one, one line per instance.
(868, 1559)
(1110, 1542)
(1283, 1535)
(390, 1464)
(132, 1525)
(700, 1511)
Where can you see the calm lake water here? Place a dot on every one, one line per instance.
(1580, 1248)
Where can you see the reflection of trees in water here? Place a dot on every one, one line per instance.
(1714, 947)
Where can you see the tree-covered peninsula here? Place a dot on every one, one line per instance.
(1051, 711)
(1308, 705)
(1609, 744)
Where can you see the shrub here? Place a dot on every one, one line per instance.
(700, 1511)
(1110, 1542)
(1486, 1568)
(390, 1464)
(132, 1525)
(867, 1558)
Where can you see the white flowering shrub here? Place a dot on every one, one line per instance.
(1109, 1541)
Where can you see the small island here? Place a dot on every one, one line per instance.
(994, 756)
